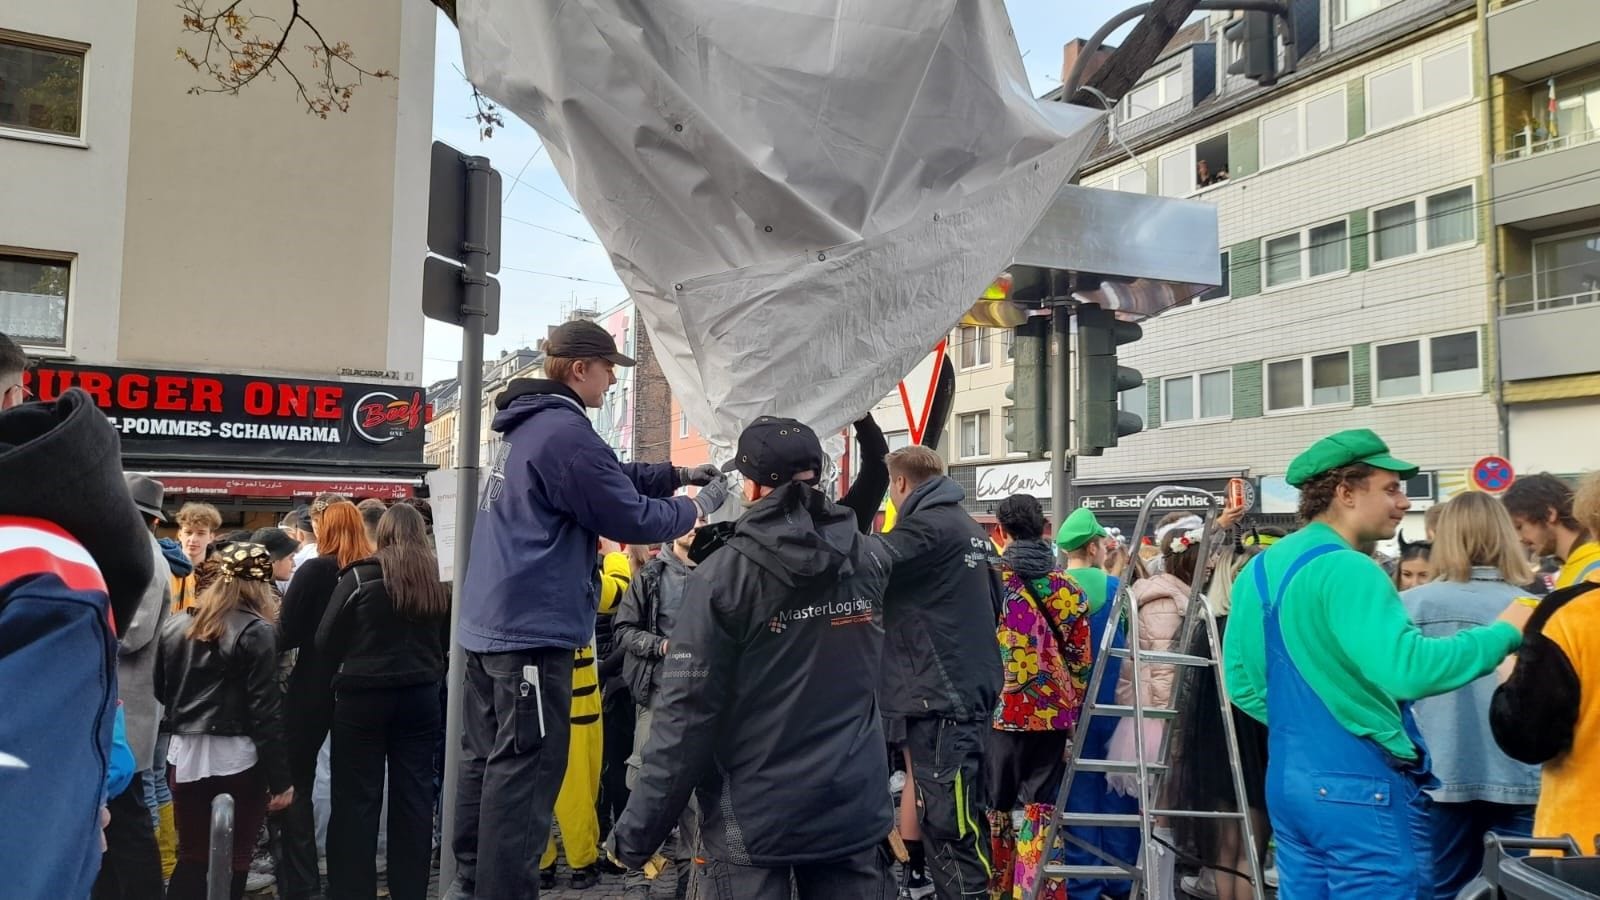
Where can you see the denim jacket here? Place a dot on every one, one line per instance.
(1466, 759)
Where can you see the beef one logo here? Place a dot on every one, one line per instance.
(380, 416)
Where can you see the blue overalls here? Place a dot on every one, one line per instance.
(1089, 793)
(1351, 821)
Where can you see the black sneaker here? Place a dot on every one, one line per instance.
(585, 878)
(547, 879)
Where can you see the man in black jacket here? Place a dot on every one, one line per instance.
(941, 667)
(766, 707)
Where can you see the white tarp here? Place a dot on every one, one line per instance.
(802, 196)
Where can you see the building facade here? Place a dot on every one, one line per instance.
(1357, 250)
(1544, 67)
(235, 280)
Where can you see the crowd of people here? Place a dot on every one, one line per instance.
(764, 694)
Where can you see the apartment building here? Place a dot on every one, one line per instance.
(1356, 246)
(1544, 67)
(235, 281)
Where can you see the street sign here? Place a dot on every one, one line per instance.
(917, 391)
(444, 292)
(1492, 474)
(447, 206)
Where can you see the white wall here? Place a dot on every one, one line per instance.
(1558, 437)
(72, 199)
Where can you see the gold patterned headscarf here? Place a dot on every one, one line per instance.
(251, 562)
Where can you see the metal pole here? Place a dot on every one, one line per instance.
(1075, 77)
(474, 309)
(1060, 401)
(219, 873)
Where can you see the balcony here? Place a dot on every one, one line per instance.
(1543, 343)
(1548, 183)
(1533, 39)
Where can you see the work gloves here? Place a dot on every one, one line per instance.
(699, 476)
(712, 495)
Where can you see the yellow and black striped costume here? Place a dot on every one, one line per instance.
(580, 788)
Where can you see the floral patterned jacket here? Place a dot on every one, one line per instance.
(1046, 662)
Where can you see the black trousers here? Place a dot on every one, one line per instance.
(393, 729)
(1022, 767)
(514, 754)
(861, 876)
(131, 866)
(292, 832)
(947, 765)
(617, 738)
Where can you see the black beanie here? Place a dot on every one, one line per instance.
(62, 462)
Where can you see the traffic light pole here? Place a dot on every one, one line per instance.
(1060, 416)
(474, 311)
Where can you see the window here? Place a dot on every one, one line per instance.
(1133, 182)
(1423, 224)
(1313, 253)
(897, 439)
(1008, 425)
(1564, 267)
(683, 425)
(1323, 378)
(1220, 292)
(33, 298)
(1152, 95)
(1419, 86)
(1211, 161)
(1197, 398)
(974, 346)
(1443, 364)
(974, 435)
(41, 85)
(1135, 400)
(1314, 125)
(1008, 343)
(1350, 10)
(1177, 173)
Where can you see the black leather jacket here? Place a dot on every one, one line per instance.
(368, 645)
(226, 687)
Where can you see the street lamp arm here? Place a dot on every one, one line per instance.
(1069, 88)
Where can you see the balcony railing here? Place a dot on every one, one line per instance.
(1542, 304)
(1547, 145)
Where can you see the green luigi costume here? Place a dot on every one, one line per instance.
(1319, 648)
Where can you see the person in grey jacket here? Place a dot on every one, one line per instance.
(641, 628)
(131, 866)
(1482, 790)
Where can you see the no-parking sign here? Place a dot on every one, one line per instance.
(1492, 474)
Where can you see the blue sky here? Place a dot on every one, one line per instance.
(560, 243)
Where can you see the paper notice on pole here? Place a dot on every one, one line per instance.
(442, 497)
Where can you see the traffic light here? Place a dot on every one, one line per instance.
(1101, 381)
(1029, 390)
(1256, 37)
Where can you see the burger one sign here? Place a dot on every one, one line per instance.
(171, 414)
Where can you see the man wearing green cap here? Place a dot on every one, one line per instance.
(1081, 537)
(1319, 648)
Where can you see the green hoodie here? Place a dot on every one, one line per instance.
(1347, 632)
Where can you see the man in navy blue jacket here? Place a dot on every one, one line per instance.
(530, 595)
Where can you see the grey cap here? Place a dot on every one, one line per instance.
(148, 494)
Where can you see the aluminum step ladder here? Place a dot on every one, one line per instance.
(1151, 774)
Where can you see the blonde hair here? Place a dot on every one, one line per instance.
(210, 612)
(199, 516)
(1476, 530)
(1219, 594)
(1586, 503)
(916, 463)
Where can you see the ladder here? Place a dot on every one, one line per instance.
(1150, 773)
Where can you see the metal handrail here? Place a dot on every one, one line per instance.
(1541, 304)
(1548, 145)
(219, 874)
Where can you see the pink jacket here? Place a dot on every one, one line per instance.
(1162, 601)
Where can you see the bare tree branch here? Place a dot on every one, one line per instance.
(237, 52)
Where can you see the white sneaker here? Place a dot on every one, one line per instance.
(1271, 877)
(1202, 886)
(258, 881)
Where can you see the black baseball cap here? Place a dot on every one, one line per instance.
(772, 451)
(277, 542)
(583, 339)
